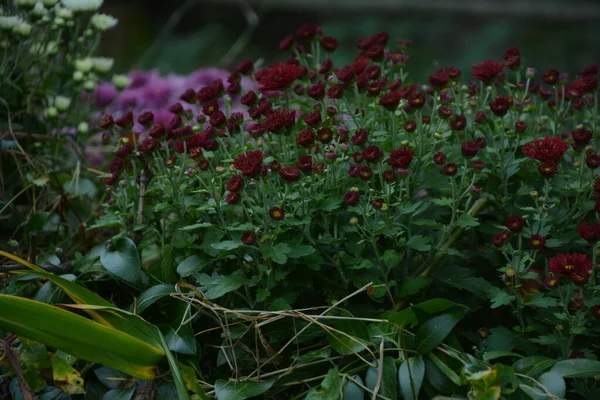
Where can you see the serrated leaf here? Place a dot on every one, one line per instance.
(419, 243)
(413, 286)
(539, 300)
(329, 389)
(278, 253)
(467, 221)
(443, 202)
(196, 226)
(499, 297)
(301, 250)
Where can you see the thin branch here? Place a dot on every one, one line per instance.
(13, 359)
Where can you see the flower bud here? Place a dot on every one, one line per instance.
(89, 85)
(62, 103)
(330, 157)
(51, 112)
(475, 191)
(345, 147)
(84, 65)
(534, 194)
(103, 64)
(384, 207)
(220, 169)
(121, 81)
(483, 332)
(402, 172)
(510, 272)
(530, 73)
(189, 172)
(24, 29)
(77, 76)
(353, 221)
(59, 21)
(83, 128)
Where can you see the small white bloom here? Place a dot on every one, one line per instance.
(88, 33)
(83, 127)
(62, 103)
(51, 112)
(49, 3)
(9, 23)
(82, 5)
(89, 85)
(52, 48)
(121, 81)
(77, 76)
(39, 10)
(59, 21)
(84, 64)
(103, 64)
(64, 13)
(26, 3)
(23, 29)
(104, 22)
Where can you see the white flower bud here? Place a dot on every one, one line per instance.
(84, 65)
(121, 81)
(49, 3)
(83, 127)
(59, 21)
(103, 64)
(82, 5)
(39, 10)
(104, 22)
(9, 23)
(24, 29)
(77, 76)
(89, 85)
(51, 112)
(26, 4)
(64, 13)
(62, 103)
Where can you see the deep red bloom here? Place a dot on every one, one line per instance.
(148, 145)
(589, 231)
(233, 198)
(487, 71)
(439, 158)
(277, 213)
(390, 100)
(416, 99)
(547, 169)
(500, 105)
(335, 91)
(345, 74)
(458, 123)
(480, 117)
(520, 126)
(329, 43)
(449, 169)
(248, 238)
(377, 204)
(372, 153)
(289, 174)
(358, 157)
(481, 142)
(245, 67)
(360, 137)
(248, 99)
(593, 160)
(499, 239)
(389, 175)
(596, 311)
(157, 131)
(307, 31)
(217, 118)
(483, 333)
(550, 77)
(313, 118)
(439, 79)
(410, 126)
(352, 197)
(324, 135)
(278, 76)
(365, 172)
(589, 70)
(581, 137)
(512, 58)
(469, 149)
(548, 149)
(176, 108)
(575, 266)
(305, 138)
(353, 170)
(401, 158)
(478, 165)
(125, 121)
(326, 66)
(537, 242)
(277, 120)
(305, 164)
(316, 91)
(286, 43)
(146, 118)
(106, 122)
(211, 92)
(249, 163)
(444, 112)
(515, 223)
(235, 183)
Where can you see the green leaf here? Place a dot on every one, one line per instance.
(577, 368)
(552, 382)
(446, 370)
(419, 243)
(221, 285)
(408, 317)
(539, 300)
(388, 378)
(123, 261)
(413, 286)
(436, 377)
(352, 391)
(410, 377)
(551, 243)
(119, 394)
(169, 273)
(499, 297)
(492, 355)
(533, 365)
(330, 387)
(301, 250)
(78, 336)
(227, 245)
(443, 202)
(192, 264)
(152, 295)
(434, 331)
(225, 390)
(391, 258)
(196, 226)
(262, 294)
(278, 253)
(467, 221)
(356, 338)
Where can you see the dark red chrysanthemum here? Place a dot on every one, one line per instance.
(576, 266)
(274, 165)
(480, 117)
(377, 204)
(106, 122)
(305, 138)
(500, 105)
(277, 213)
(353, 170)
(537, 242)
(589, 231)
(304, 163)
(547, 149)
(249, 163)
(592, 160)
(547, 169)
(449, 169)
(358, 157)
(235, 183)
(512, 58)
(360, 137)
(515, 223)
(552, 282)
(390, 100)
(325, 135)
(157, 131)
(278, 76)
(469, 149)
(289, 174)
(499, 239)
(335, 91)
(372, 154)
(458, 123)
(550, 77)
(316, 91)
(416, 99)
(329, 43)
(483, 333)
(478, 165)
(286, 43)
(346, 73)
(146, 118)
(217, 119)
(211, 92)
(445, 112)
(277, 120)
(313, 118)
(365, 172)
(401, 158)
(581, 137)
(520, 126)
(148, 145)
(487, 71)
(125, 121)
(439, 158)
(388, 175)
(439, 79)
(410, 126)
(248, 238)
(249, 99)
(352, 197)
(307, 31)
(233, 198)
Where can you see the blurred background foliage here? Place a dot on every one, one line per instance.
(183, 35)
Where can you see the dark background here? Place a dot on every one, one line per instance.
(183, 35)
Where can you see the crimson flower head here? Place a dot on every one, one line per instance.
(401, 158)
(439, 158)
(125, 121)
(444, 112)
(593, 160)
(589, 231)
(352, 197)
(360, 137)
(304, 163)
(346, 73)
(547, 169)
(500, 105)
(537, 242)
(277, 213)
(316, 91)
(249, 99)
(307, 31)
(449, 169)
(325, 135)
(550, 77)
(211, 92)
(372, 154)
(286, 43)
(248, 238)
(365, 172)
(520, 126)
(305, 138)
(249, 163)
(278, 77)
(235, 183)
(574, 266)
(233, 198)
(487, 71)
(483, 333)
(512, 58)
(469, 149)
(313, 118)
(335, 91)
(458, 123)
(277, 120)
(390, 100)
(581, 137)
(416, 99)
(480, 117)
(499, 239)
(515, 223)
(439, 79)
(410, 126)
(552, 282)
(329, 43)
(478, 165)
(289, 174)
(548, 149)
(106, 122)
